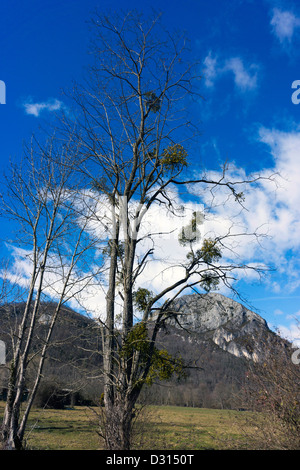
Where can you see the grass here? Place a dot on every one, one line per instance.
(178, 428)
(72, 429)
(165, 427)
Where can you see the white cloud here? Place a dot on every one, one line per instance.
(244, 77)
(210, 71)
(285, 214)
(280, 210)
(277, 311)
(36, 108)
(291, 333)
(272, 210)
(284, 24)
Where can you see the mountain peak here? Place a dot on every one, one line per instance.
(229, 324)
(205, 312)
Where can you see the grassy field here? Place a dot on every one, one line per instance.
(177, 428)
(169, 428)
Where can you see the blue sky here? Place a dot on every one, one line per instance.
(248, 53)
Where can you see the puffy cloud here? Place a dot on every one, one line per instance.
(284, 210)
(244, 79)
(291, 333)
(244, 76)
(272, 210)
(284, 24)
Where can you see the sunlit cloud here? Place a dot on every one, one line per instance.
(272, 212)
(291, 333)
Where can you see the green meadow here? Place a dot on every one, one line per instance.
(157, 427)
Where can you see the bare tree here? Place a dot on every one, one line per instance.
(132, 127)
(48, 245)
(272, 390)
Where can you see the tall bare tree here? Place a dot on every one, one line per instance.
(49, 243)
(133, 131)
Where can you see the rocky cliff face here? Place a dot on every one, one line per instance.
(229, 324)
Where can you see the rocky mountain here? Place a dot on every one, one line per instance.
(219, 339)
(227, 323)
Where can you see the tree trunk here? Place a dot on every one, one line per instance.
(12, 440)
(118, 426)
(10, 427)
